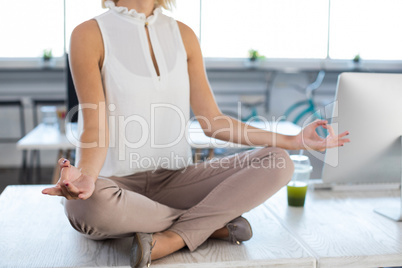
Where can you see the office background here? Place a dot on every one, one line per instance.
(297, 38)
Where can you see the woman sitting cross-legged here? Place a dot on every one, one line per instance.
(137, 72)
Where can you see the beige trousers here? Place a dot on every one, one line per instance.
(192, 202)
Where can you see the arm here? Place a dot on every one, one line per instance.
(86, 58)
(223, 127)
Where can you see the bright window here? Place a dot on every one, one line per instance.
(29, 27)
(369, 27)
(277, 29)
(78, 11)
(188, 12)
(228, 28)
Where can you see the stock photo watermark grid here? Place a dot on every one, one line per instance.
(119, 124)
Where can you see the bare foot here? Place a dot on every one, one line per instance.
(221, 233)
(166, 243)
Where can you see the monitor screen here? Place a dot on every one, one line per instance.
(369, 105)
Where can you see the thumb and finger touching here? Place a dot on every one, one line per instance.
(64, 187)
(330, 141)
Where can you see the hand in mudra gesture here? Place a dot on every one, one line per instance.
(72, 183)
(310, 140)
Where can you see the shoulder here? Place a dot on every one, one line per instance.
(186, 32)
(87, 30)
(190, 39)
(86, 39)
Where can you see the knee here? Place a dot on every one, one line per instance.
(80, 217)
(90, 217)
(284, 166)
(277, 161)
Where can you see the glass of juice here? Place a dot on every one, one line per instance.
(297, 187)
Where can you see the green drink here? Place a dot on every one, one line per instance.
(297, 187)
(296, 193)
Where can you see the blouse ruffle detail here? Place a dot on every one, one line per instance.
(133, 13)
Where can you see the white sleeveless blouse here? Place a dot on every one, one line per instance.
(147, 113)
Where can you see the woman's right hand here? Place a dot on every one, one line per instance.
(72, 183)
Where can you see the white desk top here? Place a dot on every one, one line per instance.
(341, 228)
(45, 137)
(334, 229)
(34, 232)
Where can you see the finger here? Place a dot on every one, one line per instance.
(343, 134)
(74, 191)
(83, 195)
(63, 181)
(341, 142)
(53, 191)
(319, 122)
(66, 184)
(330, 129)
(64, 175)
(63, 162)
(66, 194)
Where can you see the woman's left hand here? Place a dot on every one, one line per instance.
(308, 138)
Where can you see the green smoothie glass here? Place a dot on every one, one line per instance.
(297, 187)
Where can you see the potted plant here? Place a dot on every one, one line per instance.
(47, 54)
(254, 58)
(254, 55)
(357, 61)
(47, 58)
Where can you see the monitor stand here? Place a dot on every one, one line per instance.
(394, 212)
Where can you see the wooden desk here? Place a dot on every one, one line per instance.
(334, 229)
(34, 232)
(341, 229)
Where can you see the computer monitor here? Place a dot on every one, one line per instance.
(369, 105)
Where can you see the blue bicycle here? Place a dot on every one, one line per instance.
(309, 110)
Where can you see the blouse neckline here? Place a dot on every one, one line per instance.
(134, 13)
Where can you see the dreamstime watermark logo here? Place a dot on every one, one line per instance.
(222, 131)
